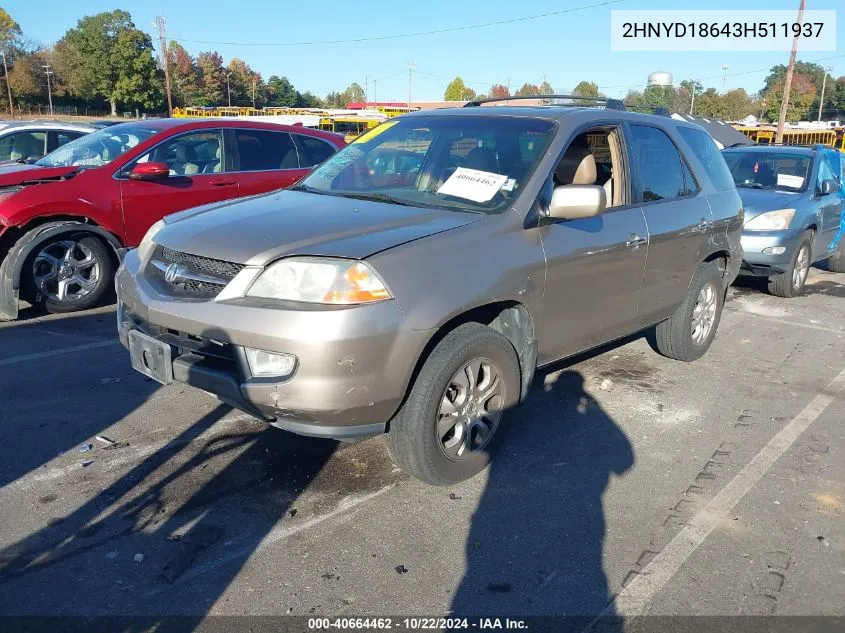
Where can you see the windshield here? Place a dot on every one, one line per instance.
(98, 148)
(470, 163)
(769, 170)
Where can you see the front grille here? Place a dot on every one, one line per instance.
(214, 267)
(202, 277)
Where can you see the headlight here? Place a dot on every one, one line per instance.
(771, 220)
(320, 280)
(145, 248)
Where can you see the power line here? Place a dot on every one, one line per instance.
(417, 34)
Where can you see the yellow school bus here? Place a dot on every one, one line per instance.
(766, 136)
(350, 126)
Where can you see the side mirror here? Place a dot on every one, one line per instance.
(150, 171)
(571, 202)
(829, 186)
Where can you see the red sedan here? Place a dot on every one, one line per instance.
(65, 218)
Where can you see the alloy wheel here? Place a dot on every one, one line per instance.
(470, 409)
(66, 270)
(704, 314)
(801, 268)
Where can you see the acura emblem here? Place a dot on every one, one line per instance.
(175, 273)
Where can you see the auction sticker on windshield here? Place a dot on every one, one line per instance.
(788, 180)
(472, 184)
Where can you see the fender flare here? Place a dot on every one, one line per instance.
(12, 265)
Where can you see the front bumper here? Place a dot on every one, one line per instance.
(353, 363)
(759, 263)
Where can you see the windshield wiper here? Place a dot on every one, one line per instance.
(750, 185)
(376, 196)
(307, 189)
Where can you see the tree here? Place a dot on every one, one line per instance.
(528, 90)
(457, 90)
(546, 88)
(499, 91)
(9, 29)
(587, 89)
(659, 96)
(242, 81)
(281, 93)
(801, 97)
(184, 75)
(334, 100)
(212, 81)
(107, 56)
(354, 94)
(308, 100)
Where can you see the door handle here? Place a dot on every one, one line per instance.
(221, 182)
(635, 241)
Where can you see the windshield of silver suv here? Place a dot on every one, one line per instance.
(466, 163)
(98, 148)
(769, 170)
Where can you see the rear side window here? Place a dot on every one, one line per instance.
(312, 151)
(710, 156)
(263, 150)
(23, 145)
(663, 174)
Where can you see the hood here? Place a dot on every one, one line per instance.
(258, 230)
(757, 201)
(16, 173)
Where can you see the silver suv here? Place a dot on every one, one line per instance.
(412, 283)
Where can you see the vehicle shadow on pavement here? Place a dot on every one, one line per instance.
(536, 541)
(196, 509)
(53, 403)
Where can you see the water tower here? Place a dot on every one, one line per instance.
(660, 78)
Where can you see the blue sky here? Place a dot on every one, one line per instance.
(565, 48)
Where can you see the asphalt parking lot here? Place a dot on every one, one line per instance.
(716, 487)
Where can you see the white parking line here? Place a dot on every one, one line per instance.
(780, 321)
(56, 352)
(634, 598)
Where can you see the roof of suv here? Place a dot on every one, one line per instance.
(41, 123)
(552, 112)
(793, 149)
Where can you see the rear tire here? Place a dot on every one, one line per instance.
(836, 264)
(688, 333)
(790, 283)
(68, 273)
(450, 424)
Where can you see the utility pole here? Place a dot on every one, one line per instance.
(253, 92)
(692, 101)
(410, 70)
(725, 68)
(8, 85)
(49, 72)
(821, 100)
(161, 25)
(228, 89)
(787, 84)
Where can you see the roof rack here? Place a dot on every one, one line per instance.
(659, 110)
(610, 104)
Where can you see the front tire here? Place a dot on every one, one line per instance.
(68, 273)
(450, 424)
(790, 283)
(688, 333)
